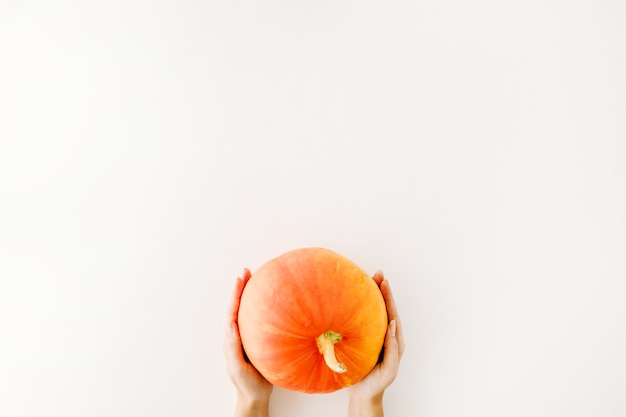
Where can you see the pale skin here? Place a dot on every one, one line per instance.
(365, 399)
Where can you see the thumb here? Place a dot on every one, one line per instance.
(232, 344)
(391, 355)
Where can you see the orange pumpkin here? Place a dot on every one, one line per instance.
(312, 321)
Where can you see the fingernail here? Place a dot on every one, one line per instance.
(392, 329)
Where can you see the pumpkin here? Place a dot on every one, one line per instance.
(312, 321)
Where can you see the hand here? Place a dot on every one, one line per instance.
(365, 397)
(253, 391)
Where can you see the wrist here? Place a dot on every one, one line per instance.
(252, 406)
(371, 406)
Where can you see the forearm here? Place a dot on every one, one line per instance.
(371, 407)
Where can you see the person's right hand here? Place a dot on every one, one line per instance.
(253, 391)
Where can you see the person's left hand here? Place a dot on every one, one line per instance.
(372, 387)
(252, 388)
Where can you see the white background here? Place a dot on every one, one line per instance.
(473, 150)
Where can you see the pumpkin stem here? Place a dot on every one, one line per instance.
(326, 345)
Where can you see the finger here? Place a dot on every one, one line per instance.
(246, 275)
(392, 312)
(378, 277)
(391, 355)
(232, 347)
(236, 298)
